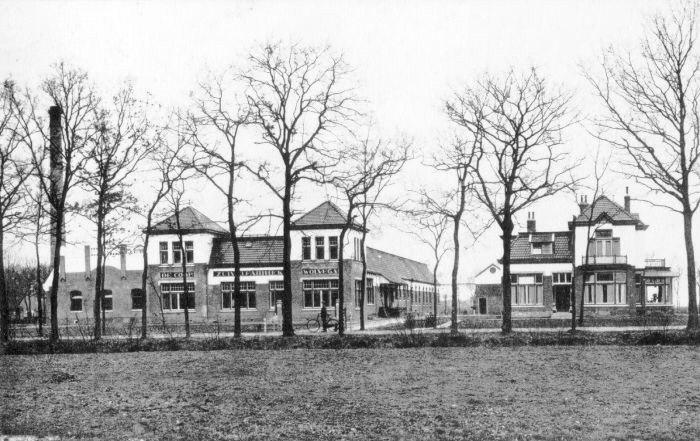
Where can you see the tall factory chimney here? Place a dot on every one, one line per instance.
(55, 173)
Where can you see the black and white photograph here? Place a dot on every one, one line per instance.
(349, 220)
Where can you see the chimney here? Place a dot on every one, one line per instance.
(583, 203)
(122, 260)
(627, 199)
(531, 227)
(56, 170)
(62, 269)
(87, 262)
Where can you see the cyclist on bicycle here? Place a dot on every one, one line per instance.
(324, 317)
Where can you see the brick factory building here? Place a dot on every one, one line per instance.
(394, 284)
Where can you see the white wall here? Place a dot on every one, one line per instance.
(545, 268)
(296, 236)
(490, 278)
(202, 243)
(631, 242)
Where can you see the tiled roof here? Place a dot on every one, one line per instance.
(191, 220)
(397, 269)
(521, 248)
(254, 251)
(326, 214)
(604, 206)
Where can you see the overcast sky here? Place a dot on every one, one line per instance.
(408, 57)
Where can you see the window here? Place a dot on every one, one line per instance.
(357, 249)
(561, 278)
(317, 292)
(606, 288)
(603, 233)
(107, 299)
(163, 246)
(189, 251)
(333, 247)
(370, 291)
(306, 248)
(320, 247)
(543, 248)
(228, 298)
(76, 301)
(174, 296)
(358, 293)
(527, 290)
(177, 254)
(276, 291)
(657, 290)
(138, 300)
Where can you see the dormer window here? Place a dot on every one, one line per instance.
(543, 248)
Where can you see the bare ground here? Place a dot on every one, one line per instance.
(600, 392)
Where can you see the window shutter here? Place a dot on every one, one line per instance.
(616, 247)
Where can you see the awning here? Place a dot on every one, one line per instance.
(659, 273)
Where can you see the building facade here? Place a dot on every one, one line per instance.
(601, 257)
(395, 284)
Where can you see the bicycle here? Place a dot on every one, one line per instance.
(314, 324)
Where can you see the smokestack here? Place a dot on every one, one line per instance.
(87, 262)
(627, 199)
(583, 203)
(531, 226)
(56, 171)
(122, 260)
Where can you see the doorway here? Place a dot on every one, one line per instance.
(562, 298)
(482, 305)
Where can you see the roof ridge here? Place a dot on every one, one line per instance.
(396, 255)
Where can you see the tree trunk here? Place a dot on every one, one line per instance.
(236, 265)
(53, 294)
(4, 300)
(39, 282)
(435, 294)
(364, 278)
(287, 324)
(99, 274)
(341, 280)
(455, 273)
(144, 278)
(690, 258)
(572, 297)
(186, 292)
(507, 229)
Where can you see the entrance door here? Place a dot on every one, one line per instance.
(562, 298)
(482, 305)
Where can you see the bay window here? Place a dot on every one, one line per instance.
(608, 288)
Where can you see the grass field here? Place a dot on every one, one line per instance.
(599, 392)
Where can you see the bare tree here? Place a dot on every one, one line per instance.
(165, 159)
(174, 199)
(15, 169)
(367, 169)
(652, 102)
(70, 130)
(298, 101)
(112, 157)
(455, 159)
(431, 229)
(516, 125)
(216, 157)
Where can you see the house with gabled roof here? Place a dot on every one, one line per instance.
(395, 284)
(602, 257)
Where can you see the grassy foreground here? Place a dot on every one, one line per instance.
(548, 392)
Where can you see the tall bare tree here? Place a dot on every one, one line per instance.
(516, 124)
(174, 199)
(56, 155)
(455, 160)
(15, 170)
(213, 130)
(298, 101)
(431, 229)
(165, 160)
(110, 161)
(366, 169)
(652, 104)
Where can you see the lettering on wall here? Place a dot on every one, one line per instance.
(175, 275)
(250, 273)
(319, 271)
